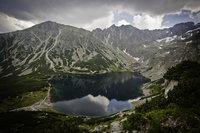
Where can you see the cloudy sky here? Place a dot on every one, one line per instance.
(90, 14)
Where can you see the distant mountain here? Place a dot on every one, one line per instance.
(59, 63)
(181, 28)
(172, 50)
(50, 47)
(127, 36)
(156, 50)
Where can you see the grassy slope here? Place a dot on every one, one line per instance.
(16, 92)
(39, 122)
(158, 115)
(178, 113)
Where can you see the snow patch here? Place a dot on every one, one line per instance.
(136, 58)
(189, 42)
(183, 38)
(126, 52)
(167, 39)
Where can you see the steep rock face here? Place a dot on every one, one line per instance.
(181, 28)
(53, 48)
(140, 44)
(128, 37)
(173, 50)
(156, 50)
(170, 86)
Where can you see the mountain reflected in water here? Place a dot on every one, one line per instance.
(92, 106)
(95, 95)
(116, 85)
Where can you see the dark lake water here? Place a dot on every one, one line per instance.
(95, 95)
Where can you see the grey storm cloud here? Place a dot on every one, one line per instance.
(183, 16)
(29, 9)
(81, 12)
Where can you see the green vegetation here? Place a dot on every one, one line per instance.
(14, 86)
(101, 120)
(135, 122)
(39, 122)
(40, 66)
(26, 99)
(183, 71)
(21, 91)
(98, 63)
(177, 113)
(155, 89)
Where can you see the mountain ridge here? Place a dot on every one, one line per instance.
(59, 46)
(169, 105)
(152, 48)
(65, 48)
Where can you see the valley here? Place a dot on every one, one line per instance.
(120, 79)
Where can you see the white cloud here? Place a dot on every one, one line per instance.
(102, 23)
(92, 106)
(145, 21)
(8, 23)
(89, 13)
(122, 22)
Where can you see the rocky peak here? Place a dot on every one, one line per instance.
(198, 25)
(50, 47)
(181, 28)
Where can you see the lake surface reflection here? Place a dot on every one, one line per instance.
(92, 106)
(119, 85)
(97, 94)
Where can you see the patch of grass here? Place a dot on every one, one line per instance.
(135, 122)
(158, 102)
(15, 86)
(101, 120)
(39, 122)
(169, 119)
(23, 100)
(184, 70)
(177, 113)
(159, 114)
(16, 92)
(99, 63)
(155, 89)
